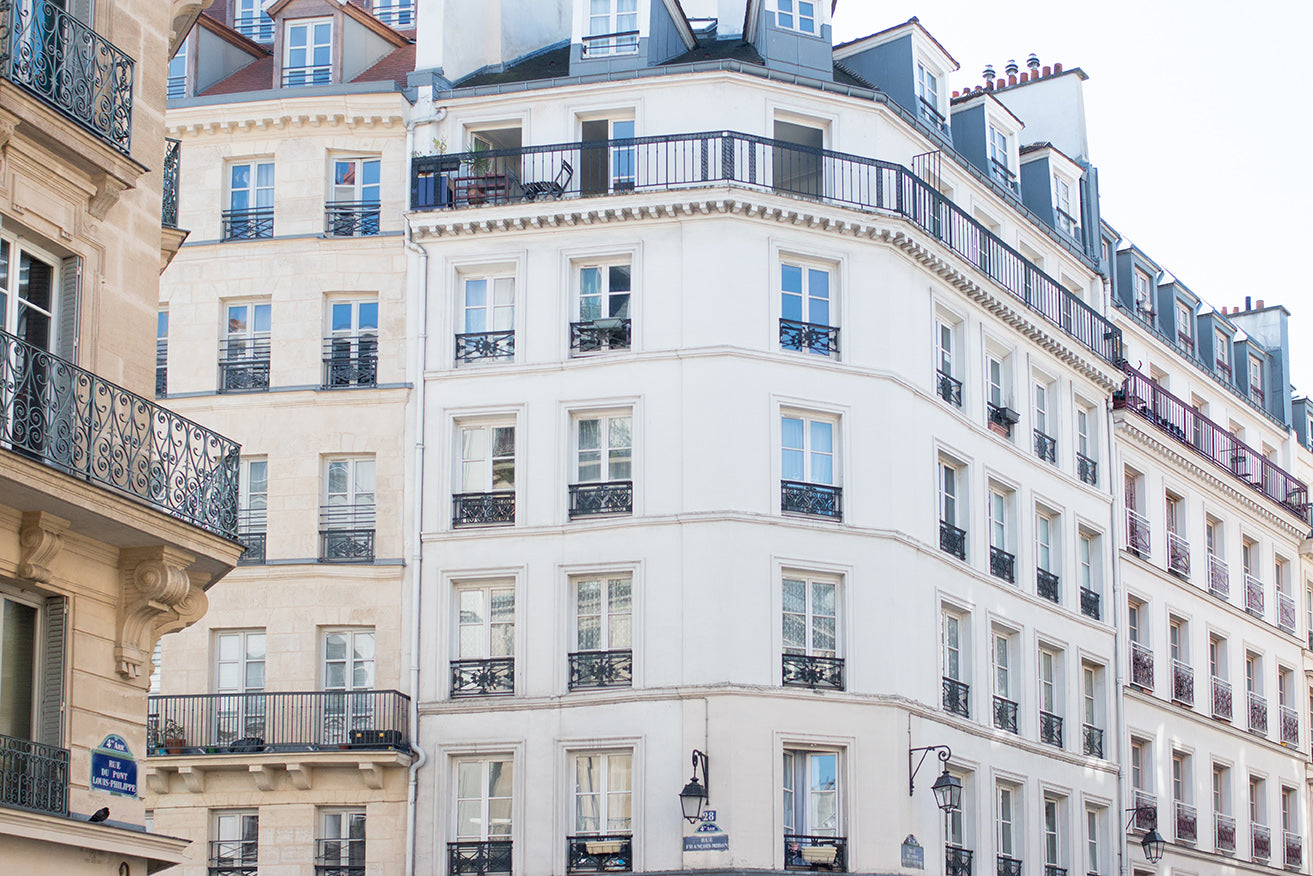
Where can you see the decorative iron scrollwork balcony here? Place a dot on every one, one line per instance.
(1137, 534)
(252, 529)
(351, 361)
(957, 861)
(1050, 729)
(601, 669)
(1221, 699)
(950, 389)
(1047, 585)
(172, 166)
(481, 678)
(52, 54)
(475, 346)
(1224, 833)
(816, 853)
(1005, 714)
(478, 858)
(1141, 666)
(1253, 596)
(1046, 447)
(1090, 604)
(1187, 823)
(33, 776)
(600, 335)
(1294, 844)
(1002, 564)
(599, 853)
(809, 337)
(608, 497)
(1009, 866)
(1003, 419)
(953, 540)
(340, 857)
(351, 218)
(1257, 714)
(1146, 811)
(1286, 612)
(233, 858)
(256, 223)
(244, 365)
(806, 670)
(483, 509)
(1219, 578)
(1260, 842)
(815, 500)
(346, 533)
(1087, 470)
(69, 419)
(957, 697)
(1289, 726)
(1182, 683)
(1093, 740)
(1178, 555)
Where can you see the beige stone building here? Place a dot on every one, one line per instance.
(116, 515)
(283, 741)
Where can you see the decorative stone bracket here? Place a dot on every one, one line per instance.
(157, 596)
(184, 14)
(40, 539)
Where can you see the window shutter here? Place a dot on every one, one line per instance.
(51, 728)
(69, 303)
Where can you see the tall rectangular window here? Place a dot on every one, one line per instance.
(1009, 841)
(348, 677)
(484, 662)
(1185, 325)
(250, 21)
(927, 89)
(1093, 837)
(307, 53)
(250, 213)
(810, 637)
(603, 632)
(244, 352)
(603, 307)
(483, 810)
(341, 843)
(235, 841)
(178, 70)
(1052, 832)
(1143, 293)
(161, 353)
(998, 151)
(1222, 353)
(798, 15)
(353, 204)
(346, 517)
(1256, 377)
(351, 344)
(612, 27)
(602, 465)
(485, 481)
(948, 488)
(252, 508)
(1063, 201)
(806, 310)
(239, 678)
(808, 449)
(603, 793)
(811, 793)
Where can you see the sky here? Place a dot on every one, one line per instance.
(1199, 123)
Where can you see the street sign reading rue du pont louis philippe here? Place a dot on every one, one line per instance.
(112, 768)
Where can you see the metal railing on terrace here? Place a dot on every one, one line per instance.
(33, 776)
(715, 158)
(1186, 424)
(172, 166)
(65, 417)
(55, 56)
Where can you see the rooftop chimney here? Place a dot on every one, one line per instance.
(1012, 68)
(1033, 63)
(1249, 305)
(989, 72)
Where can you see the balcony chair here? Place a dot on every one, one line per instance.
(555, 187)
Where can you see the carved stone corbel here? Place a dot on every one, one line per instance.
(40, 539)
(106, 195)
(158, 595)
(183, 18)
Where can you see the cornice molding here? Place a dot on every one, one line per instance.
(288, 121)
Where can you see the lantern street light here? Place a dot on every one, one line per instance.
(947, 788)
(694, 796)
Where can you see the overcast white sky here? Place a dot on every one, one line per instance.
(1200, 124)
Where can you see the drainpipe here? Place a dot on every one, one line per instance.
(1114, 603)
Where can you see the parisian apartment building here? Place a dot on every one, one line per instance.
(1004, 568)
(117, 514)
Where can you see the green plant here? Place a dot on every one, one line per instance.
(478, 165)
(174, 731)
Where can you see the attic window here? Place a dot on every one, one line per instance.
(395, 13)
(308, 55)
(612, 28)
(250, 21)
(799, 15)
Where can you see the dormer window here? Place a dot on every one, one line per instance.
(1256, 377)
(1223, 354)
(250, 21)
(998, 157)
(308, 52)
(178, 71)
(612, 28)
(799, 15)
(927, 89)
(1065, 208)
(1143, 303)
(1185, 325)
(399, 14)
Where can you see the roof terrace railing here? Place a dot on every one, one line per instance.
(1186, 424)
(703, 160)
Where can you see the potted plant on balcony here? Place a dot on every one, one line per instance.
(175, 736)
(602, 847)
(819, 856)
(479, 175)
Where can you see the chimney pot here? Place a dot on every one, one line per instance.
(1260, 304)
(1012, 68)
(1012, 79)
(1249, 305)
(1033, 62)
(989, 72)
(1023, 77)
(1048, 71)
(1057, 68)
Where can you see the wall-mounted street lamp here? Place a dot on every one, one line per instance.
(1153, 842)
(947, 788)
(694, 796)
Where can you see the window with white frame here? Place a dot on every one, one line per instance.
(1143, 293)
(1221, 789)
(1046, 543)
(346, 517)
(796, 15)
(995, 381)
(956, 663)
(32, 642)
(927, 89)
(351, 344)
(998, 511)
(812, 798)
(946, 360)
(1290, 811)
(235, 840)
(604, 447)
(308, 52)
(253, 508)
(353, 203)
(1008, 813)
(244, 352)
(1088, 558)
(1094, 839)
(810, 638)
(1065, 206)
(1092, 709)
(1086, 440)
(485, 481)
(807, 448)
(348, 678)
(958, 827)
(1002, 652)
(250, 213)
(239, 675)
(612, 28)
(1222, 352)
(1256, 377)
(1185, 325)
(177, 86)
(603, 793)
(807, 309)
(484, 658)
(603, 309)
(1053, 824)
(341, 841)
(1257, 801)
(999, 152)
(951, 482)
(1141, 774)
(1043, 403)
(603, 631)
(486, 322)
(484, 797)
(251, 22)
(1182, 787)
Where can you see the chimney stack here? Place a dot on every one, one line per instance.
(1249, 305)
(1260, 304)
(1033, 63)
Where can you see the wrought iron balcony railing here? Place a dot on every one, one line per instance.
(1002, 564)
(172, 167)
(483, 509)
(1219, 577)
(256, 26)
(807, 670)
(1141, 666)
(346, 533)
(957, 861)
(1286, 612)
(33, 776)
(1050, 729)
(1137, 534)
(1224, 833)
(1054, 870)
(1087, 470)
(252, 531)
(1182, 683)
(592, 669)
(1090, 604)
(953, 540)
(957, 697)
(607, 497)
(815, 853)
(1178, 555)
(1222, 708)
(1092, 740)
(1047, 585)
(1289, 726)
(1005, 714)
(700, 160)
(307, 74)
(1046, 447)
(476, 346)
(809, 337)
(1008, 866)
(277, 721)
(1142, 395)
(483, 677)
(478, 858)
(600, 335)
(1294, 847)
(950, 389)
(599, 853)
(399, 14)
(49, 52)
(1253, 596)
(256, 223)
(1146, 810)
(351, 361)
(1187, 823)
(340, 857)
(1002, 417)
(815, 500)
(161, 367)
(244, 364)
(1257, 714)
(233, 858)
(351, 218)
(1260, 842)
(86, 427)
